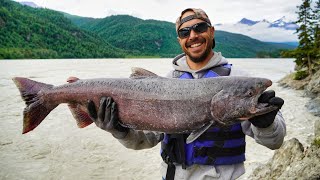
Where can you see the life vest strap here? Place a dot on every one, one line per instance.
(214, 152)
(221, 135)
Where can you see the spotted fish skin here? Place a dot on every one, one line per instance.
(149, 102)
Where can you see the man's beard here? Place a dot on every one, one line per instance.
(202, 57)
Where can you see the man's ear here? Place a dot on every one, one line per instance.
(212, 30)
(179, 40)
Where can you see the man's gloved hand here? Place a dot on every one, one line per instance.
(265, 120)
(107, 117)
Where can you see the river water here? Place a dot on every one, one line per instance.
(57, 149)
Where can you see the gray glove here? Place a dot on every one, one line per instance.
(107, 117)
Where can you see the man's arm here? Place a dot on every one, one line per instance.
(141, 139)
(268, 129)
(268, 133)
(271, 136)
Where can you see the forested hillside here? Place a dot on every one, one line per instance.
(153, 37)
(27, 32)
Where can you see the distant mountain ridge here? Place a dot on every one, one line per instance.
(43, 33)
(280, 23)
(159, 37)
(247, 22)
(31, 4)
(279, 31)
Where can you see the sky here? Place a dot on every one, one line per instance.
(219, 11)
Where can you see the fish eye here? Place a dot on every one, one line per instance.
(249, 93)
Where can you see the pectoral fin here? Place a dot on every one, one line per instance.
(82, 117)
(195, 134)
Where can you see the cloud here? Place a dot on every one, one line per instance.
(261, 31)
(220, 11)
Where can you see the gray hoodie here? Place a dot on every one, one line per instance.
(271, 137)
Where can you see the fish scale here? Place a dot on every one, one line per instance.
(149, 102)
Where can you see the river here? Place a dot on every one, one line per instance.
(57, 149)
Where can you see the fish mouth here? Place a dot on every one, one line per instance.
(262, 108)
(259, 109)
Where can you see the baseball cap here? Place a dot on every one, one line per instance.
(198, 14)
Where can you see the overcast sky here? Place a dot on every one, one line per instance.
(219, 11)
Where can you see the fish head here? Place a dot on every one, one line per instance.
(238, 100)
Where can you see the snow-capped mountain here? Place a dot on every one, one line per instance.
(247, 22)
(280, 23)
(284, 23)
(281, 30)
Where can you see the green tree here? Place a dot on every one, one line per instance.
(316, 43)
(305, 33)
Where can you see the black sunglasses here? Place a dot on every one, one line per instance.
(198, 28)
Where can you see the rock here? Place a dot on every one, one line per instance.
(313, 106)
(317, 129)
(313, 91)
(288, 81)
(280, 161)
(291, 162)
(313, 87)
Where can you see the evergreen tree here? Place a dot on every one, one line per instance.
(316, 44)
(305, 33)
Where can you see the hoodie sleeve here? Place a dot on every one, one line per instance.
(272, 136)
(141, 139)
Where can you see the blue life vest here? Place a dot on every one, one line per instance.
(216, 146)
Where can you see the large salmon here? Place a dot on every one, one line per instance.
(149, 102)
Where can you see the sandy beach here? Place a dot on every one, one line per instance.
(58, 149)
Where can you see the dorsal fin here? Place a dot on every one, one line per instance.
(138, 73)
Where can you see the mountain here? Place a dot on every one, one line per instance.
(279, 31)
(284, 23)
(31, 4)
(247, 22)
(151, 37)
(28, 32)
(146, 37)
(280, 23)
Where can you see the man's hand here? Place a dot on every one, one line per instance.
(107, 117)
(267, 119)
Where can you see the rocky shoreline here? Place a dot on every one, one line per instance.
(311, 87)
(293, 160)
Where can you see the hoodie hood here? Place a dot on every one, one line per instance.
(179, 63)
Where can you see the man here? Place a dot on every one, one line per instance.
(218, 153)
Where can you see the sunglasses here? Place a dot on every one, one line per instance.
(198, 28)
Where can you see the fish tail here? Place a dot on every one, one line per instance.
(36, 110)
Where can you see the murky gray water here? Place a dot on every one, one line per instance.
(57, 149)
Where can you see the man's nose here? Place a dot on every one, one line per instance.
(193, 34)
